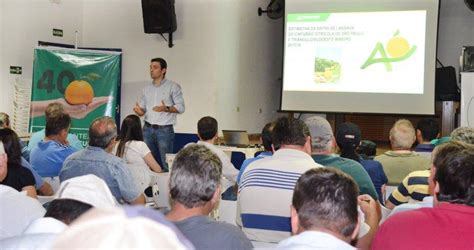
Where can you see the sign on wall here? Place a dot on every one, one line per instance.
(85, 82)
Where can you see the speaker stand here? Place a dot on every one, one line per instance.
(169, 40)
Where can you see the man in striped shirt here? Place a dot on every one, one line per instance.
(266, 187)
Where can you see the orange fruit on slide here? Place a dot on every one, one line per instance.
(397, 47)
(79, 92)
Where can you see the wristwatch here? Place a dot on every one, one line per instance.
(167, 108)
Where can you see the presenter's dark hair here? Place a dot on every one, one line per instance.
(207, 128)
(326, 198)
(55, 124)
(161, 61)
(429, 128)
(286, 132)
(131, 130)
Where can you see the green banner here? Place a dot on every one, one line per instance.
(308, 17)
(85, 82)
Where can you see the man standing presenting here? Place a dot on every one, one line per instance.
(160, 102)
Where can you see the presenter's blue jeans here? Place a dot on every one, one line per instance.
(160, 140)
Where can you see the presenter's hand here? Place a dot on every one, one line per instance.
(161, 108)
(138, 110)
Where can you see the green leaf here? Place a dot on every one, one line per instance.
(397, 33)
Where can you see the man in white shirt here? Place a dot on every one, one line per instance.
(266, 187)
(207, 133)
(324, 211)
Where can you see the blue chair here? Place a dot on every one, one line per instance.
(237, 158)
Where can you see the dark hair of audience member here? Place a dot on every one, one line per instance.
(267, 136)
(55, 124)
(102, 131)
(348, 146)
(326, 198)
(286, 132)
(66, 210)
(131, 130)
(367, 149)
(429, 128)
(11, 143)
(195, 176)
(454, 164)
(207, 128)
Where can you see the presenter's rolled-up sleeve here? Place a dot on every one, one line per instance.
(178, 98)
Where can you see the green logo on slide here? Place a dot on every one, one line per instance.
(398, 50)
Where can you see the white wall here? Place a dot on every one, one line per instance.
(224, 57)
(24, 23)
(456, 29)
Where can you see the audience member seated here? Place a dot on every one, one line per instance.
(75, 197)
(367, 149)
(401, 161)
(323, 146)
(5, 123)
(122, 228)
(427, 129)
(195, 191)
(131, 147)
(324, 211)
(464, 134)
(97, 159)
(42, 187)
(208, 133)
(17, 210)
(413, 187)
(266, 187)
(348, 138)
(461, 135)
(48, 157)
(53, 109)
(15, 175)
(449, 224)
(266, 140)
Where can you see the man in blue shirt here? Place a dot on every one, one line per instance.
(160, 103)
(97, 159)
(267, 145)
(427, 129)
(53, 109)
(48, 157)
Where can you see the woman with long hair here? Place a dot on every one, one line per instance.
(135, 152)
(17, 176)
(348, 138)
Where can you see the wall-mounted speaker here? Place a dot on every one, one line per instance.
(470, 4)
(159, 16)
(446, 87)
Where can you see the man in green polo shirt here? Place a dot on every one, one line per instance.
(323, 147)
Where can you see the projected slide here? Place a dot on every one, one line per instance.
(363, 52)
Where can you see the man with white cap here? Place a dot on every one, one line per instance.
(122, 228)
(74, 197)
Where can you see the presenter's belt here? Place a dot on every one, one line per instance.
(147, 124)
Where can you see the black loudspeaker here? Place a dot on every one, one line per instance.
(446, 88)
(159, 16)
(470, 4)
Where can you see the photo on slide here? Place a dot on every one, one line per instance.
(327, 66)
